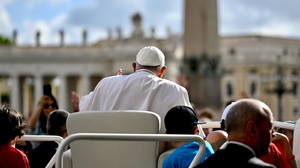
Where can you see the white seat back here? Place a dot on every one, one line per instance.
(89, 153)
(296, 143)
(55, 138)
(131, 137)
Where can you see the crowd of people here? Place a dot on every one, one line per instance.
(247, 137)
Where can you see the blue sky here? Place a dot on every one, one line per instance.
(236, 17)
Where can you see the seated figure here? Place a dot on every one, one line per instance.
(183, 120)
(56, 125)
(11, 129)
(250, 129)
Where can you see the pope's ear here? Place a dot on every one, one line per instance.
(162, 71)
(133, 66)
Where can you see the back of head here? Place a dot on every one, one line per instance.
(245, 110)
(11, 124)
(150, 56)
(217, 139)
(206, 113)
(180, 120)
(56, 122)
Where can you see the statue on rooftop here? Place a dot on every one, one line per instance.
(137, 23)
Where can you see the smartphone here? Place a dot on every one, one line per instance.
(47, 89)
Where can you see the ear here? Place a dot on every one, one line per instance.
(162, 71)
(195, 130)
(65, 135)
(134, 66)
(251, 129)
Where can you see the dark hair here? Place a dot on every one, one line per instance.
(11, 124)
(43, 118)
(57, 122)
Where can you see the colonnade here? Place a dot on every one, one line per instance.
(26, 91)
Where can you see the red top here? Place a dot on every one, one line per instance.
(11, 157)
(276, 158)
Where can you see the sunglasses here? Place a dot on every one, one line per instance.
(48, 105)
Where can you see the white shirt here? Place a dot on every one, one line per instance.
(141, 90)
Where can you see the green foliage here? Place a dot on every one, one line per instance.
(4, 40)
(5, 98)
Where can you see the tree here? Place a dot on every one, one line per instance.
(4, 40)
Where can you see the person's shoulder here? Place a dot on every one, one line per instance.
(16, 152)
(170, 83)
(112, 77)
(256, 162)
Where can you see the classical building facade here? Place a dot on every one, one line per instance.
(266, 68)
(24, 70)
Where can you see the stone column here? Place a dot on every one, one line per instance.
(86, 83)
(84, 37)
(62, 94)
(38, 89)
(15, 96)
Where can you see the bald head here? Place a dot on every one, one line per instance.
(249, 121)
(246, 110)
(217, 139)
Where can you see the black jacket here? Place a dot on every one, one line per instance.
(42, 154)
(234, 156)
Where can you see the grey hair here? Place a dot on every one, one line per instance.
(152, 68)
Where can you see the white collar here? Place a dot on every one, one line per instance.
(242, 144)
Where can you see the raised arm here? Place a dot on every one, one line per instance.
(36, 114)
(75, 101)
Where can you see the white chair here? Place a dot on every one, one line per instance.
(296, 143)
(87, 153)
(55, 138)
(163, 157)
(131, 161)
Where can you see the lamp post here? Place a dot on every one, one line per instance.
(279, 89)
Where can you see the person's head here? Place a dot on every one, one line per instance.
(11, 125)
(150, 58)
(50, 106)
(47, 109)
(206, 130)
(56, 123)
(217, 139)
(250, 121)
(206, 113)
(181, 120)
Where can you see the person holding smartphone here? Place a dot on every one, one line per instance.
(38, 119)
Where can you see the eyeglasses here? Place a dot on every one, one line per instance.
(48, 105)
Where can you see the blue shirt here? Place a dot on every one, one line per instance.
(184, 155)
